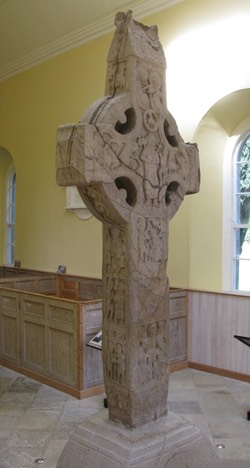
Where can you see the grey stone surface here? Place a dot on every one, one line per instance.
(20, 447)
(169, 442)
(132, 170)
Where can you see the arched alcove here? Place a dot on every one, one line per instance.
(232, 110)
(206, 65)
(211, 218)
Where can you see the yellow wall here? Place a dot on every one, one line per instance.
(35, 102)
(205, 62)
(205, 249)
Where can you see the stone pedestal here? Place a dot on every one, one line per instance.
(170, 442)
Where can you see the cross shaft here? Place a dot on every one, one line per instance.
(132, 170)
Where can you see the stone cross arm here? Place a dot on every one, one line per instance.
(97, 155)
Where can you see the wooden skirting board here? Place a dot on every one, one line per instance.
(88, 392)
(178, 366)
(218, 371)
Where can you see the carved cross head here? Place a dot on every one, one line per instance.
(126, 155)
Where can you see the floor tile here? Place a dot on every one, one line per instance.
(37, 421)
(23, 384)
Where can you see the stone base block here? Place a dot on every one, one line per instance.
(170, 442)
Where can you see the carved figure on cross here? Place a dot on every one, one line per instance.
(132, 170)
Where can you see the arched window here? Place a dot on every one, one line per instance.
(241, 215)
(10, 218)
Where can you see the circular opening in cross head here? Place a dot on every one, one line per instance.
(126, 127)
(124, 184)
(170, 137)
(171, 188)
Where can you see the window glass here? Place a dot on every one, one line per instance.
(10, 218)
(241, 225)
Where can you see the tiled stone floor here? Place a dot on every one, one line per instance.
(36, 421)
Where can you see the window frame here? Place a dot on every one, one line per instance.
(230, 224)
(10, 216)
(237, 221)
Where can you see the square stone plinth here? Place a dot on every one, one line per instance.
(170, 442)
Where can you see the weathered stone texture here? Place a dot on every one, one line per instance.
(132, 170)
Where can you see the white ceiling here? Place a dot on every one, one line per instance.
(34, 30)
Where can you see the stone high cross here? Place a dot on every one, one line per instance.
(132, 170)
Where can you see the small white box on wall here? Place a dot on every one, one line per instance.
(75, 204)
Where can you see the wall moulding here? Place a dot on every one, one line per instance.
(80, 36)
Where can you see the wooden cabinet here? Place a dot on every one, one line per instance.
(49, 338)
(45, 338)
(46, 322)
(10, 335)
